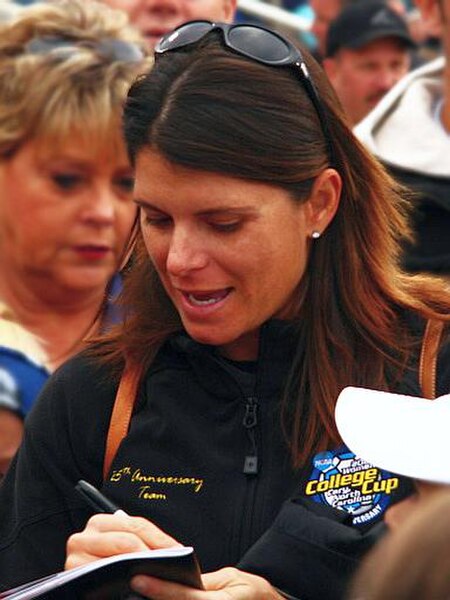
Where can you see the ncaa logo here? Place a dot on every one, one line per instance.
(344, 481)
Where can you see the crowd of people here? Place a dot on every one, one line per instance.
(209, 233)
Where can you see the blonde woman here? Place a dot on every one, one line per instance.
(65, 182)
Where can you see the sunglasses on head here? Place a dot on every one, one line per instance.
(257, 43)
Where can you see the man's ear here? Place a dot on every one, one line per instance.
(329, 66)
(431, 12)
(323, 201)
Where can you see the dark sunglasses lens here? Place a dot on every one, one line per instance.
(259, 44)
(184, 35)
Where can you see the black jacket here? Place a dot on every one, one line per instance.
(204, 459)
(430, 222)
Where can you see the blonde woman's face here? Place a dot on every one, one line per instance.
(65, 214)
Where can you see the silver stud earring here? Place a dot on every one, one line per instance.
(315, 235)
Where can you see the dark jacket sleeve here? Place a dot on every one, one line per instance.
(309, 552)
(39, 507)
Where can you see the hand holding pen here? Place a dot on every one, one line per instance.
(117, 533)
(96, 499)
(111, 532)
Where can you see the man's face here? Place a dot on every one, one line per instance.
(154, 18)
(361, 77)
(325, 11)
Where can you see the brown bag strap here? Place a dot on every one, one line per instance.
(121, 414)
(428, 357)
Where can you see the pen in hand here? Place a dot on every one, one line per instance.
(96, 499)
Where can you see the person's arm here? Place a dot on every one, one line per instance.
(310, 551)
(39, 507)
(11, 430)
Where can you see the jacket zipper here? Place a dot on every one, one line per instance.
(251, 468)
(250, 422)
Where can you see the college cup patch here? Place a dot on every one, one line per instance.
(342, 480)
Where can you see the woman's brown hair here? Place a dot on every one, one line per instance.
(210, 109)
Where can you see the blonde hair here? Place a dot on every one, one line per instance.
(52, 92)
(9, 10)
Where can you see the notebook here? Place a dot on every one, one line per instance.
(109, 577)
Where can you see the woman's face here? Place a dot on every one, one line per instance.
(65, 214)
(229, 252)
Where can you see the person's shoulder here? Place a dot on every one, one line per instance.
(16, 337)
(90, 369)
(416, 325)
(87, 369)
(21, 380)
(22, 365)
(443, 364)
(78, 397)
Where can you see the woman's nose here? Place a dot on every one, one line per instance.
(185, 254)
(99, 208)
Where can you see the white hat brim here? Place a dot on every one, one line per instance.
(402, 434)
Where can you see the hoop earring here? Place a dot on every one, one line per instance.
(316, 235)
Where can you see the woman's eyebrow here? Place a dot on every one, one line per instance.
(236, 210)
(217, 210)
(145, 204)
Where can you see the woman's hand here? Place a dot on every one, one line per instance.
(226, 584)
(108, 535)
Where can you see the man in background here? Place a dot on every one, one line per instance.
(325, 11)
(155, 18)
(367, 52)
(409, 131)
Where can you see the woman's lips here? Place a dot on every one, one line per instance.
(92, 252)
(206, 298)
(203, 302)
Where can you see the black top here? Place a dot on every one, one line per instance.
(430, 222)
(205, 460)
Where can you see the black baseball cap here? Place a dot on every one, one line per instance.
(365, 21)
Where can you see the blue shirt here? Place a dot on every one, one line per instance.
(21, 380)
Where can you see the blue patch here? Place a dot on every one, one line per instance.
(342, 480)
